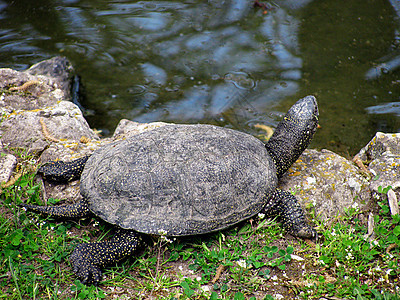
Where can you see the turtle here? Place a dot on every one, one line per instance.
(182, 180)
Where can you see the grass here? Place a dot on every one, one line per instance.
(253, 260)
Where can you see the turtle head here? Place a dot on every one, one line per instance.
(293, 134)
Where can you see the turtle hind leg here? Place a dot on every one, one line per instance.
(68, 211)
(59, 171)
(288, 210)
(88, 259)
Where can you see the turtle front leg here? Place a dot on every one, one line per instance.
(88, 259)
(286, 207)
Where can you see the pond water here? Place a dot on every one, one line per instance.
(221, 62)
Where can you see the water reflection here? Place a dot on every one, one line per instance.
(222, 62)
(387, 108)
(186, 45)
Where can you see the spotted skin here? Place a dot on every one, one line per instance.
(285, 206)
(290, 139)
(293, 134)
(62, 172)
(68, 211)
(88, 259)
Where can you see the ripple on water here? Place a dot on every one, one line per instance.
(241, 80)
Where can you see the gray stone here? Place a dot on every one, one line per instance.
(59, 70)
(393, 202)
(322, 180)
(7, 165)
(383, 155)
(128, 128)
(34, 111)
(63, 123)
(35, 88)
(327, 182)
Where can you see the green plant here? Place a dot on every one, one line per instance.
(253, 260)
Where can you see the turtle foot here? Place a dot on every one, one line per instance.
(63, 172)
(284, 205)
(88, 259)
(304, 232)
(67, 211)
(84, 267)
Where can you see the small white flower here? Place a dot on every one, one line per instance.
(162, 232)
(180, 268)
(349, 256)
(242, 263)
(198, 278)
(205, 288)
(261, 216)
(165, 239)
(274, 278)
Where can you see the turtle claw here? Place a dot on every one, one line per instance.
(90, 274)
(306, 232)
(84, 268)
(88, 259)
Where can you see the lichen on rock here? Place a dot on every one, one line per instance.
(36, 114)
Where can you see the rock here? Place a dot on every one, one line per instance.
(58, 69)
(34, 113)
(35, 129)
(128, 128)
(393, 202)
(35, 88)
(36, 116)
(7, 165)
(383, 155)
(327, 182)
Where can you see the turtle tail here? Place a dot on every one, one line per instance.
(67, 211)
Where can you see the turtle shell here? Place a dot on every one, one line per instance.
(179, 180)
